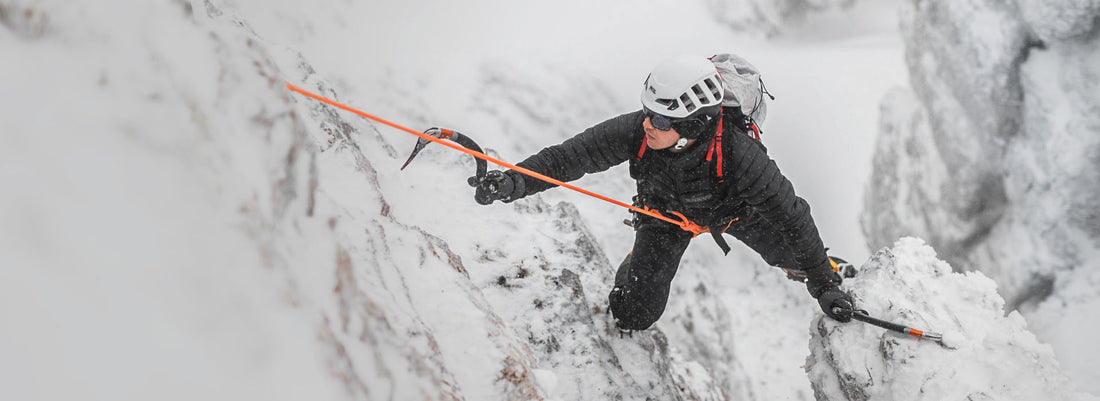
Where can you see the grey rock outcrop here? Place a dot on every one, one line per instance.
(993, 156)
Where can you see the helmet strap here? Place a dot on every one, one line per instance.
(681, 143)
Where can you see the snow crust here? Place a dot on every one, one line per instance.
(986, 354)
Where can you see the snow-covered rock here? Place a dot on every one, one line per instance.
(986, 355)
(994, 157)
(971, 109)
(998, 151)
(178, 225)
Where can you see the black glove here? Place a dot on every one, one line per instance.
(824, 285)
(836, 304)
(499, 185)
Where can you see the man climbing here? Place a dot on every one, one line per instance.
(692, 156)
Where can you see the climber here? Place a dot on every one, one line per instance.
(688, 154)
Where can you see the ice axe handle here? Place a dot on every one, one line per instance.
(468, 143)
(862, 316)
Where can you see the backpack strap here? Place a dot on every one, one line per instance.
(751, 124)
(716, 147)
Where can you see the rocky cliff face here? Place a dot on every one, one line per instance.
(993, 157)
(998, 132)
(180, 191)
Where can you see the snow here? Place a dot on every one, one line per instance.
(547, 380)
(175, 225)
(953, 340)
(124, 275)
(986, 354)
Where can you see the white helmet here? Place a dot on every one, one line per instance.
(681, 86)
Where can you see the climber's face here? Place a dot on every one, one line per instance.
(659, 139)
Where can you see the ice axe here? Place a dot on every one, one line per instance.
(861, 315)
(465, 141)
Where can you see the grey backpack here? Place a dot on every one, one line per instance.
(743, 88)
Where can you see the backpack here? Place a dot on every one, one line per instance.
(744, 89)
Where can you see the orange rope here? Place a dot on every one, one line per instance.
(685, 224)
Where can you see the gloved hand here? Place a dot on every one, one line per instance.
(836, 304)
(498, 185)
(824, 285)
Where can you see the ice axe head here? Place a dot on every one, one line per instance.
(463, 140)
(422, 143)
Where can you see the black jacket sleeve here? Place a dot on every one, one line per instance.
(596, 149)
(758, 182)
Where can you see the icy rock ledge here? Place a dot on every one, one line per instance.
(994, 357)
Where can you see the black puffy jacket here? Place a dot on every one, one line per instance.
(751, 184)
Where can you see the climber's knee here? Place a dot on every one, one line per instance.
(632, 312)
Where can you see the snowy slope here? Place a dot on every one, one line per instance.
(176, 225)
(148, 180)
(190, 230)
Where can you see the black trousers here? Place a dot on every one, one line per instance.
(644, 278)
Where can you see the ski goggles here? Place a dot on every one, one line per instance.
(687, 128)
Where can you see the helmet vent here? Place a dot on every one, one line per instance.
(686, 100)
(713, 87)
(669, 103)
(699, 94)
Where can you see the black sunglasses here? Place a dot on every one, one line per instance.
(686, 127)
